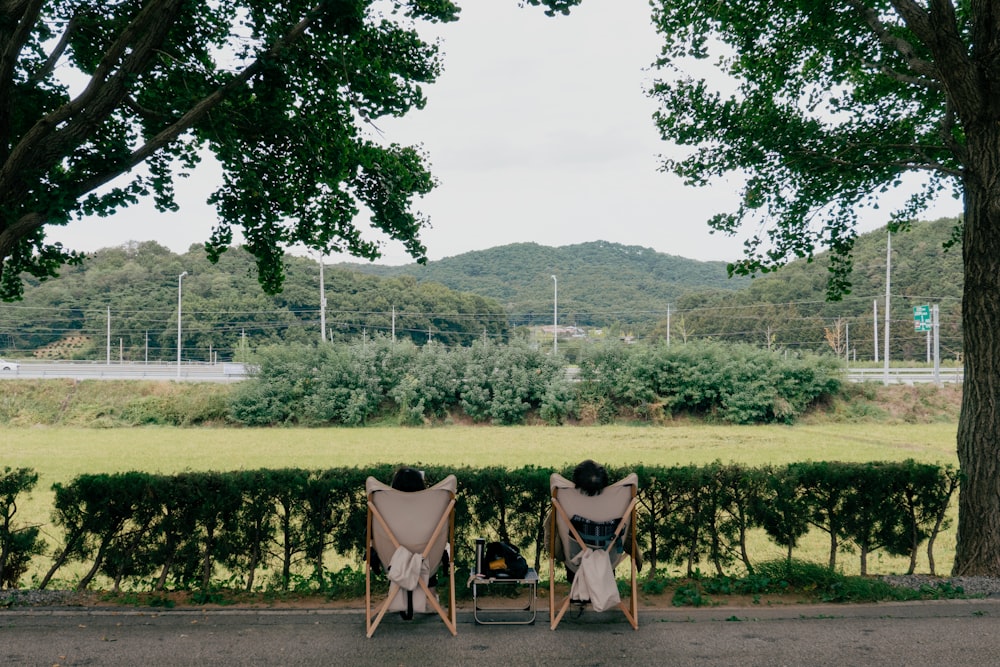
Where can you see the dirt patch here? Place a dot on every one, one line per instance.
(901, 404)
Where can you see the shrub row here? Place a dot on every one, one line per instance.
(182, 531)
(356, 383)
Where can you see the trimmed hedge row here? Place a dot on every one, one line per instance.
(270, 529)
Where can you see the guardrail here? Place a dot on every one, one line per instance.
(906, 375)
(77, 370)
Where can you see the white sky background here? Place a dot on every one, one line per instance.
(538, 130)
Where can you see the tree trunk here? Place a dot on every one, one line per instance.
(833, 548)
(60, 560)
(978, 548)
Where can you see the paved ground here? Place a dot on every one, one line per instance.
(953, 632)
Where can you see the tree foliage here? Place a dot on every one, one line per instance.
(221, 302)
(822, 108)
(104, 103)
(735, 383)
(18, 543)
(788, 309)
(358, 383)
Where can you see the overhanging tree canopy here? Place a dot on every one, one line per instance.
(824, 106)
(102, 103)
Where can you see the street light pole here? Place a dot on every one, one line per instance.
(555, 315)
(179, 279)
(322, 302)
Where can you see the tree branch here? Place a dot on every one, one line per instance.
(916, 18)
(29, 12)
(57, 51)
(897, 44)
(24, 14)
(946, 129)
(201, 109)
(17, 230)
(925, 163)
(51, 137)
(921, 81)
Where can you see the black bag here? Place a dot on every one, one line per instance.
(504, 561)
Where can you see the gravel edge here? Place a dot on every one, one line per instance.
(971, 586)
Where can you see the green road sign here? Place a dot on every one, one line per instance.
(921, 318)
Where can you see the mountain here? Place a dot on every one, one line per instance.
(598, 283)
(627, 289)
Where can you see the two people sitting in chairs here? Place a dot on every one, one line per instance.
(415, 525)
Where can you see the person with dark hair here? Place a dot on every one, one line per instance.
(590, 477)
(408, 479)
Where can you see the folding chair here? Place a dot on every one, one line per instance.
(423, 524)
(586, 523)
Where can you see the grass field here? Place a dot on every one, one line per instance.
(58, 454)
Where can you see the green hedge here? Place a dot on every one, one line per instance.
(266, 529)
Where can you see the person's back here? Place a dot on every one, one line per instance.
(590, 478)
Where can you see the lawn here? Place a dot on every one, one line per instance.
(59, 454)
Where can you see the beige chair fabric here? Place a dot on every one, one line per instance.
(616, 502)
(412, 529)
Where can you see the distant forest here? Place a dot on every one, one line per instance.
(133, 290)
(625, 291)
(599, 283)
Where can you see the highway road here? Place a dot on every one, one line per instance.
(230, 372)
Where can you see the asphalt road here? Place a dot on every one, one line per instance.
(954, 633)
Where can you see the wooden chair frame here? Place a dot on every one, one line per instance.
(447, 519)
(629, 609)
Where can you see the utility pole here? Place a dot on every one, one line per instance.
(847, 343)
(875, 324)
(668, 325)
(885, 348)
(555, 315)
(936, 326)
(180, 278)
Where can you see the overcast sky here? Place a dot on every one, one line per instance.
(538, 130)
